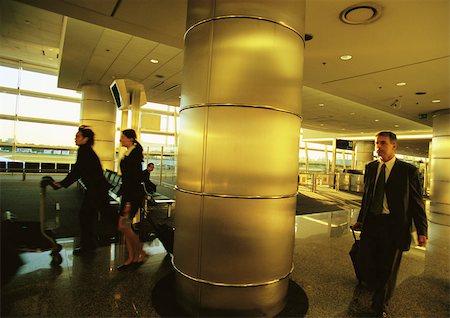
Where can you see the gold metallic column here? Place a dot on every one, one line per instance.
(99, 112)
(440, 174)
(436, 254)
(238, 156)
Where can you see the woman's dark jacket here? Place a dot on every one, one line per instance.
(131, 168)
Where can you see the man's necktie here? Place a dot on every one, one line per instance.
(377, 201)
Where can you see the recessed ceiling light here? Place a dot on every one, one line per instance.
(401, 84)
(154, 61)
(321, 104)
(362, 13)
(346, 57)
(396, 126)
(377, 120)
(436, 101)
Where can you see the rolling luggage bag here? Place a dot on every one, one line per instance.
(354, 251)
(163, 231)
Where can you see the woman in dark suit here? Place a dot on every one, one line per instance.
(392, 201)
(132, 194)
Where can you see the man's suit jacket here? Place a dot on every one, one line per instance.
(149, 186)
(404, 198)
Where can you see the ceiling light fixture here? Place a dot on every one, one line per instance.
(321, 104)
(436, 101)
(154, 61)
(361, 13)
(346, 57)
(401, 84)
(377, 120)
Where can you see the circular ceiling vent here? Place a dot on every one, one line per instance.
(362, 13)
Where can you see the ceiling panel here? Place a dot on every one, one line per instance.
(104, 7)
(77, 52)
(110, 45)
(136, 65)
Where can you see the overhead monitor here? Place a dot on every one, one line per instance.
(344, 144)
(120, 94)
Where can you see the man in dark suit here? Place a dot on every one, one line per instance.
(388, 209)
(150, 187)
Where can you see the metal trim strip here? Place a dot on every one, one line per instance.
(240, 105)
(221, 284)
(236, 196)
(238, 16)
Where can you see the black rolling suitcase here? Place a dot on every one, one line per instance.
(354, 251)
(163, 231)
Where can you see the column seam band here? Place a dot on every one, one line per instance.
(204, 281)
(96, 100)
(237, 16)
(234, 196)
(240, 105)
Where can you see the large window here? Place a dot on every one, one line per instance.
(9, 77)
(44, 83)
(48, 109)
(35, 111)
(49, 134)
(8, 102)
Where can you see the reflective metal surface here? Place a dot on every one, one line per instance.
(440, 173)
(241, 102)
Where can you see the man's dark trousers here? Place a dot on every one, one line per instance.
(379, 259)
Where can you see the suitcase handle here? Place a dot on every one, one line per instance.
(354, 235)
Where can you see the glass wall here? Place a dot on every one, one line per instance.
(38, 120)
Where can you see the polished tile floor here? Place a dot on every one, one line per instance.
(93, 287)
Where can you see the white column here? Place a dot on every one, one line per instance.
(99, 112)
(363, 154)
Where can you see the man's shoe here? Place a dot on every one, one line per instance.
(83, 251)
(381, 314)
